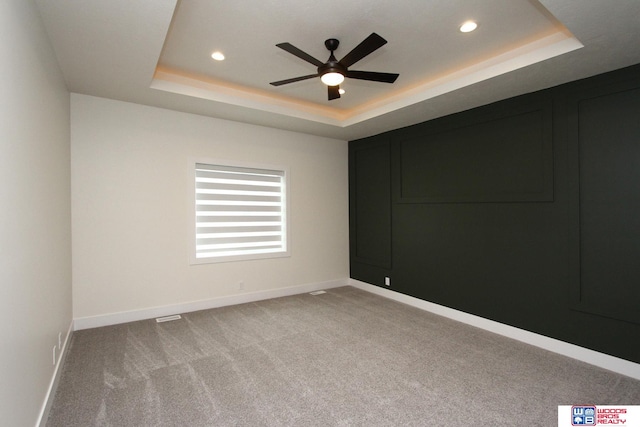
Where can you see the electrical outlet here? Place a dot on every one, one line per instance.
(241, 285)
(387, 281)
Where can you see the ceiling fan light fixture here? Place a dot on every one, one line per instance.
(468, 26)
(332, 78)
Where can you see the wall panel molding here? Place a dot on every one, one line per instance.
(603, 135)
(498, 156)
(370, 204)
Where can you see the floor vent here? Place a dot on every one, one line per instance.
(317, 292)
(168, 318)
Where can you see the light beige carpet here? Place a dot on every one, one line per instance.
(344, 358)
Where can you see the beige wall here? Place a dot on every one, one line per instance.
(35, 212)
(131, 211)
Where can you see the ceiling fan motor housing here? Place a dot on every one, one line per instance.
(332, 65)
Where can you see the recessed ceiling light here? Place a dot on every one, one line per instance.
(468, 26)
(218, 56)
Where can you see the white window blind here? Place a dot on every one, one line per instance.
(240, 213)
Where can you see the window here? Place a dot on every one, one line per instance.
(240, 213)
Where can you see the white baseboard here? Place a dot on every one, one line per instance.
(153, 312)
(53, 384)
(592, 357)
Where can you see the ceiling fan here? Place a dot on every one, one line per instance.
(333, 72)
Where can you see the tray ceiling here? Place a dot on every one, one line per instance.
(158, 53)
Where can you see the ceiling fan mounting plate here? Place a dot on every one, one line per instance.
(332, 44)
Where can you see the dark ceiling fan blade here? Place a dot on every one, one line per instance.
(293, 80)
(300, 54)
(334, 92)
(373, 76)
(368, 45)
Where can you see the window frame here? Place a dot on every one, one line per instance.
(286, 229)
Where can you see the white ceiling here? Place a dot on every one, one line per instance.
(157, 52)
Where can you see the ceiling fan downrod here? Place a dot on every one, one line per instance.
(332, 72)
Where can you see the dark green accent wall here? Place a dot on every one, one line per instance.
(526, 212)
